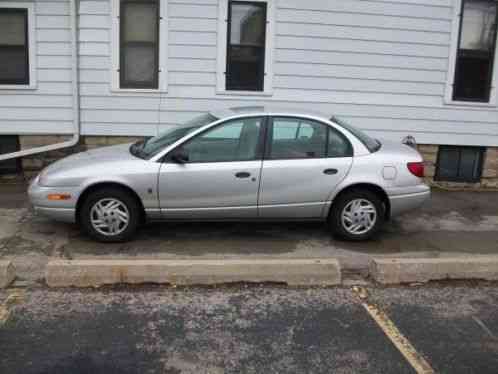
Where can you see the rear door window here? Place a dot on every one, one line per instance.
(297, 138)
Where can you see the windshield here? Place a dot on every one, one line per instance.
(373, 145)
(149, 147)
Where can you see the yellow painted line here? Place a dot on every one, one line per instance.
(415, 359)
(15, 296)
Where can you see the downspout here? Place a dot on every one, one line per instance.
(76, 100)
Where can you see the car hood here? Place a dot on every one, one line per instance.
(111, 153)
(96, 160)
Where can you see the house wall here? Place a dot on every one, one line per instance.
(48, 107)
(380, 64)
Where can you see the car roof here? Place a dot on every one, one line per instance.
(267, 110)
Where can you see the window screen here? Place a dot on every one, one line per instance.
(139, 44)
(14, 61)
(8, 144)
(459, 164)
(246, 46)
(476, 48)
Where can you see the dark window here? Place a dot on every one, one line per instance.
(8, 144)
(139, 44)
(459, 164)
(246, 46)
(236, 140)
(14, 57)
(293, 138)
(476, 49)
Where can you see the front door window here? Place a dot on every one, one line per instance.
(236, 140)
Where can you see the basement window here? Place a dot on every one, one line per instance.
(8, 144)
(459, 164)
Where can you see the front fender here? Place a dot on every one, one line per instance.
(142, 181)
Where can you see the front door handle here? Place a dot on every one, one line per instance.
(243, 174)
(330, 171)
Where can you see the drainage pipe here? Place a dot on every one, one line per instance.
(75, 91)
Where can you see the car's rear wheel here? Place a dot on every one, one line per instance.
(357, 215)
(110, 215)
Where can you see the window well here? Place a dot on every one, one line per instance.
(459, 164)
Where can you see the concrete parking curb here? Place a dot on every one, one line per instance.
(7, 273)
(296, 272)
(409, 270)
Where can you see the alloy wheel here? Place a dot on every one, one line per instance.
(359, 216)
(109, 216)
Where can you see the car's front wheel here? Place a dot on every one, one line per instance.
(357, 215)
(110, 215)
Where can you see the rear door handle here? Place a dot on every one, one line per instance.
(243, 174)
(330, 171)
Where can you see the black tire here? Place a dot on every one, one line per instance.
(335, 219)
(133, 207)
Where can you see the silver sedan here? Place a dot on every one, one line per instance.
(238, 164)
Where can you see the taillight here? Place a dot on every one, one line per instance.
(416, 168)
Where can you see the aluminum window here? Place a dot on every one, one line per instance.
(246, 43)
(139, 44)
(475, 51)
(14, 46)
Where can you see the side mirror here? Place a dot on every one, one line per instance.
(179, 156)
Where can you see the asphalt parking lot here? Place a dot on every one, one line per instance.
(435, 328)
(239, 329)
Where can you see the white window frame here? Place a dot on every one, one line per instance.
(222, 51)
(162, 44)
(448, 96)
(31, 46)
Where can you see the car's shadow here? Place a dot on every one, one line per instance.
(227, 238)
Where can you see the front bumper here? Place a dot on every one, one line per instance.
(57, 214)
(64, 210)
(406, 202)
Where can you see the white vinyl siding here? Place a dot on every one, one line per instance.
(382, 65)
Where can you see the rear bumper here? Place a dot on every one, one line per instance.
(407, 202)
